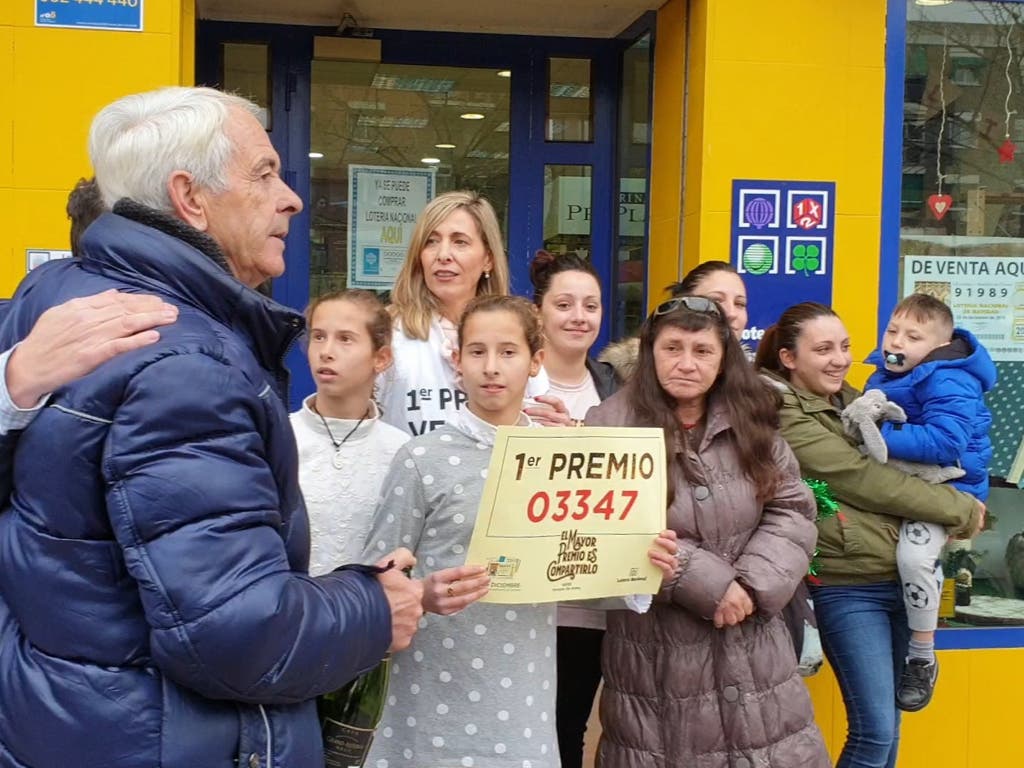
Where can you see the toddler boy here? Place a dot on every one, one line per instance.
(938, 375)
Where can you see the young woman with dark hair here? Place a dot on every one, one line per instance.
(567, 293)
(857, 598)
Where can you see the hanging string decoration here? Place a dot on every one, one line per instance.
(827, 507)
(940, 203)
(1007, 148)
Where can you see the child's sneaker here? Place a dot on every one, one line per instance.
(917, 684)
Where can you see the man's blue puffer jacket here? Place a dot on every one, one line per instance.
(947, 419)
(154, 603)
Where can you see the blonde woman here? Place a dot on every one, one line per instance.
(455, 255)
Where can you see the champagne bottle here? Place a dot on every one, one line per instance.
(350, 715)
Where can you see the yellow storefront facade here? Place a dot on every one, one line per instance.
(801, 90)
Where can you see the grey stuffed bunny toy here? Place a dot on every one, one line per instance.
(860, 421)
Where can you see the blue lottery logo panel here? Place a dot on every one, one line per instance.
(782, 235)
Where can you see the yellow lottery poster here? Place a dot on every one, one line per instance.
(570, 513)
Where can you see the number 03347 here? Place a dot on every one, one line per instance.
(579, 504)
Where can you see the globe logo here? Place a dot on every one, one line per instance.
(759, 212)
(758, 258)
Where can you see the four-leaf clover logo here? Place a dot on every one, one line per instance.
(806, 258)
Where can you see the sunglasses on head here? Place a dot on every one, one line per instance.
(699, 304)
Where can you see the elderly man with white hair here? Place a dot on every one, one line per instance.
(154, 603)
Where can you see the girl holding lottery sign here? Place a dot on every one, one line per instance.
(477, 686)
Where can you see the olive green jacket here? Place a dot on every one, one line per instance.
(858, 545)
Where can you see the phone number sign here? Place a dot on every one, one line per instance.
(570, 513)
(123, 15)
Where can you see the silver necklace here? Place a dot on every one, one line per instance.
(336, 460)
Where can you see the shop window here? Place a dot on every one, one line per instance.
(962, 239)
(570, 107)
(389, 125)
(245, 70)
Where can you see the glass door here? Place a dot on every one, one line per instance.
(529, 122)
(569, 159)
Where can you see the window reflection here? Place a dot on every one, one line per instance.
(245, 70)
(962, 239)
(630, 264)
(401, 116)
(568, 204)
(570, 105)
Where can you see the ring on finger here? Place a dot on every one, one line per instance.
(451, 590)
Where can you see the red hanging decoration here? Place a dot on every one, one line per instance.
(1006, 150)
(940, 205)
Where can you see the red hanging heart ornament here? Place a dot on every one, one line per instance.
(1006, 150)
(940, 205)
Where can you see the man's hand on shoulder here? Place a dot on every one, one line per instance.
(74, 338)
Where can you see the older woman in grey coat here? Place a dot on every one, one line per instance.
(708, 678)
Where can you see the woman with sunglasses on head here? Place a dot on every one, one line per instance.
(717, 280)
(858, 599)
(708, 675)
(567, 293)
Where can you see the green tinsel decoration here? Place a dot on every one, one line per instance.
(827, 507)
